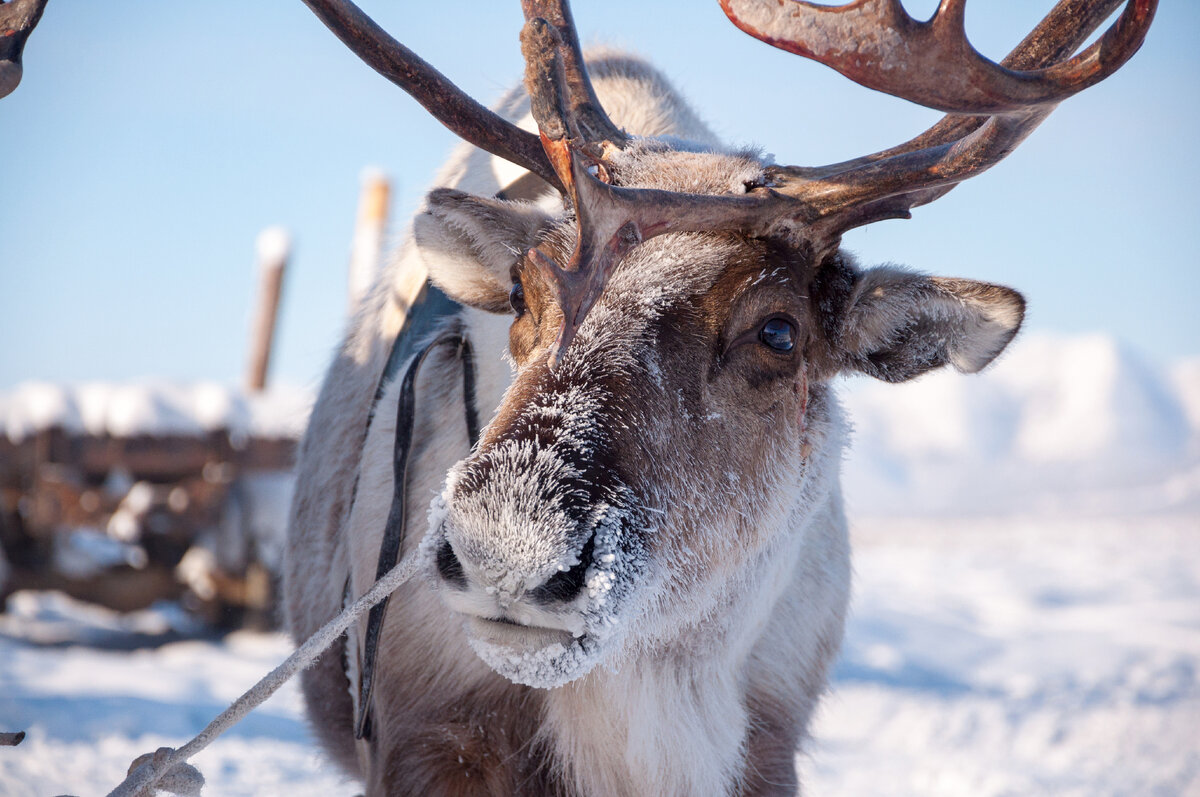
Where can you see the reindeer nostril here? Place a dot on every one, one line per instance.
(563, 587)
(449, 567)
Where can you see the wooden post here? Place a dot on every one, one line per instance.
(274, 247)
(369, 231)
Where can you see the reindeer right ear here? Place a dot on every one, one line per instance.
(898, 324)
(470, 244)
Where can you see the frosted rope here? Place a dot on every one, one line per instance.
(142, 780)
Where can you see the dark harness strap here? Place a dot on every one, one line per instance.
(393, 533)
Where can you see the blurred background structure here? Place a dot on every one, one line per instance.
(127, 494)
(1027, 541)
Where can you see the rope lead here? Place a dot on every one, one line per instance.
(168, 770)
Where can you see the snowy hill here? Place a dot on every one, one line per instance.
(1079, 425)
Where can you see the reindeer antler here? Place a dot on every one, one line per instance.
(558, 84)
(992, 108)
(578, 136)
(1046, 44)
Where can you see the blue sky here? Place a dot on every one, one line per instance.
(150, 142)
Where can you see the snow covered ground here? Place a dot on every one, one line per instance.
(984, 657)
(1034, 629)
(1017, 657)
(91, 709)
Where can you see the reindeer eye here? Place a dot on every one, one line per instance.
(778, 333)
(516, 298)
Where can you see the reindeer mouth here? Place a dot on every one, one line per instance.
(535, 656)
(504, 632)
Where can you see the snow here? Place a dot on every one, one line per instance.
(264, 500)
(1059, 425)
(1026, 618)
(272, 246)
(984, 657)
(1185, 378)
(91, 707)
(81, 553)
(1023, 656)
(38, 405)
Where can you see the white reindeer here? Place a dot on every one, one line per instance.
(638, 575)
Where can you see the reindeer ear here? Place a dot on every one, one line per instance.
(470, 244)
(898, 325)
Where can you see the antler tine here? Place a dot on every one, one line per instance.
(877, 44)
(575, 133)
(445, 101)
(17, 20)
(1050, 42)
(569, 83)
(889, 183)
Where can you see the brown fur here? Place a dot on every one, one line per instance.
(483, 744)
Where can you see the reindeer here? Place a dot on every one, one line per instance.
(637, 574)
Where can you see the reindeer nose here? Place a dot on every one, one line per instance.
(562, 587)
(565, 585)
(449, 567)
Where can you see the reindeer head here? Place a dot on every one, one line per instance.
(669, 431)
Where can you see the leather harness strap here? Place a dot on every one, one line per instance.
(393, 533)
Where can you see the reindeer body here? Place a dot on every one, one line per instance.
(715, 706)
(637, 576)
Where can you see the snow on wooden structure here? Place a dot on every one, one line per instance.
(128, 494)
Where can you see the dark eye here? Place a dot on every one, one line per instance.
(778, 333)
(516, 298)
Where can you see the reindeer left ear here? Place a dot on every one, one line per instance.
(470, 244)
(898, 325)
